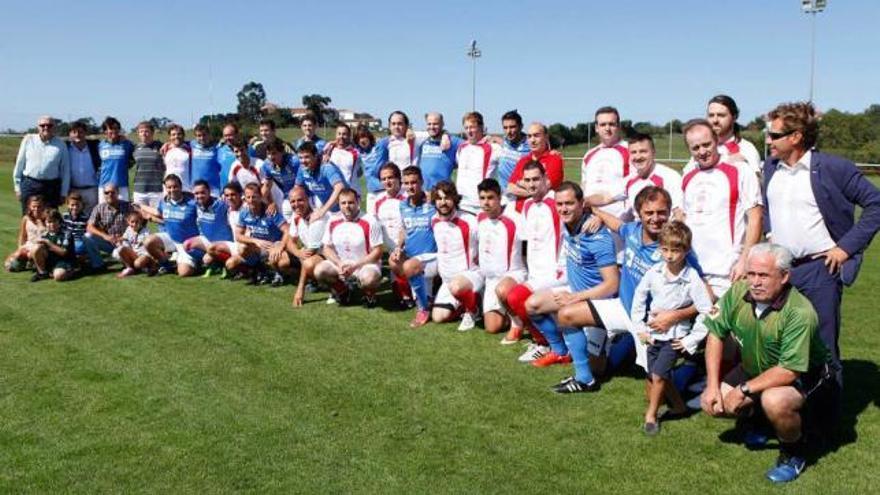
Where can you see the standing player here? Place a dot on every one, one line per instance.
(322, 183)
(345, 156)
(605, 165)
(178, 218)
(205, 165)
(261, 238)
(539, 145)
(416, 254)
(500, 240)
(116, 158)
(591, 269)
(225, 153)
(149, 167)
(477, 160)
(514, 147)
(372, 158)
(722, 206)
(257, 148)
(646, 172)
(400, 148)
(245, 170)
(308, 125)
(304, 242)
(387, 212)
(352, 250)
(722, 113)
(435, 155)
(178, 156)
(277, 177)
(456, 236)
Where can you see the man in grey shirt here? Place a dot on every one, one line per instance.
(42, 166)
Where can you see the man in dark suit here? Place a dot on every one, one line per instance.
(811, 198)
(84, 164)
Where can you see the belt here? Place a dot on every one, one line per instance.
(803, 260)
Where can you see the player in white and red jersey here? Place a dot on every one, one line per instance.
(605, 166)
(646, 172)
(304, 240)
(456, 235)
(500, 239)
(352, 248)
(722, 112)
(245, 170)
(477, 160)
(345, 156)
(386, 209)
(542, 230)
(722, 206)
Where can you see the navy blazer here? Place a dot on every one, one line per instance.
(838, 187)
(92, 144)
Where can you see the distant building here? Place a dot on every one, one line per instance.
(354, 119)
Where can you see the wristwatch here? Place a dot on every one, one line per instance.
(744, 388)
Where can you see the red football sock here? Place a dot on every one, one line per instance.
(468, 300)
(516, 301)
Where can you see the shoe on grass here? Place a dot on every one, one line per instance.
(421, 319)
(513, 336)
(787, 468)
(550, 359)
(651, 429)
(570, 385)
(467, 322)
(533, 352)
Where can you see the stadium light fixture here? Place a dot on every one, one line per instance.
(474, 53)
(813, 7)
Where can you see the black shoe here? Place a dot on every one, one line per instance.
(369, 302)
(407, 303)
(572, 386)
(39, 276)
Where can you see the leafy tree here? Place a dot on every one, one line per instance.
(251, 99)
(318, 105)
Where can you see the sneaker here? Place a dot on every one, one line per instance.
(407, 303)
(694, 403)
(421, 319)
(533, 352)
(787, 468)
(277, 280)
(39, 276)
(651, 429)
(126, 273)
(210, 272)
(467, 322)
(369, 301)
(225, 275)
(550, 359)
(571, 386)
(513, 336)
(163, 270)
(330, 300)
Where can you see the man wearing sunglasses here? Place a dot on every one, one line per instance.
(811, 198)
(42, 166)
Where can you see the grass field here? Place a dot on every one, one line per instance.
(163, 385)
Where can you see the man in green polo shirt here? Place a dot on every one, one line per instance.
(785, 367)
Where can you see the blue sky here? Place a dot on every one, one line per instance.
(555, 61)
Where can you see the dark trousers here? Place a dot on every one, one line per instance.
(50, 190)
(825, 292)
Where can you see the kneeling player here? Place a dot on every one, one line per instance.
(353, 250)
(304, 241)
(456, 235)
(177, 215)
(261, 238)
(386, 209)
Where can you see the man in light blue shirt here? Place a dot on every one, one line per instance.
(42, 166)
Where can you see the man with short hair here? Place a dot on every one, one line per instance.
(342, 153)
(304, 241)
(262, 238)
(257, 147)
(212, 218)
(514, 146)
(309, 126)
(246, 169)
(477, 159)
(116, 157)
(785, 366)
(605, 166)
(225, 153)
(219, 252)
(434, 155)
(811, 198)
(149, 167)
(84, 164)
(178, 219)
(387, 211)
(352, 249)
(416, 254)
(539, 150)
(205, 165)
(278, 175)
(647, 172)
(42, 166)
(322, 182)
(723, 207)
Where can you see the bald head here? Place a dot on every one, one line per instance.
(537, 137)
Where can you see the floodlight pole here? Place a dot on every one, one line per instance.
(474, 53)
(813, 7)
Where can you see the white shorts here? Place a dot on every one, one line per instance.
(447, 300)
(616, 321)
(540, 283)
(171, 247)
(231, 246)
(490, 298)
(123, 195)
(138, 251)
(149, 199)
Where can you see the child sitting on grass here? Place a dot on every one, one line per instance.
(133, 251)
(52, 256)
(668, 285)
(30, 231)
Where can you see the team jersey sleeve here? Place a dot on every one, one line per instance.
(326, 238)
(703, 303)
(750, 190)
(692, 261)
(265, 176)
(672, 185)
(603, 250)
(279, 220)
(794, 343)
(556, 173)
(332, 174)
(241, 217)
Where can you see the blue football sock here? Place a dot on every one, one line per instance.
(580, 356)
(621, 350)
(417, 283)
(547, 326)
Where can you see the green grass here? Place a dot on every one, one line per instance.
(170, 385)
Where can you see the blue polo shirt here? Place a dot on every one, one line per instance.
(417, 224)
(264, 227)
(213, 221)
(585, 253)
(373, 158)
(180, 217)
(285, 175)
(116, 158)
(319, 184)
(226, 157)
(204, 164)
(510, 155)
(436, 164)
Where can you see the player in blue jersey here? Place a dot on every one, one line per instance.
(435, 155)
(513, 147)
(591, 269)
(212, 218)
(416, 254)
(309, 125)
(117, 156)
(204, 163)
(262, 238)
(177, 216)
(225, 152)
(323, 183)
(278, 175)
(373, 156)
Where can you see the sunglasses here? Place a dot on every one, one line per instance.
(45, 126)
(779, 135)
(110, 192)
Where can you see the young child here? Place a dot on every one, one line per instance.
(668, 285)
(31, 229)
(133, 251)
(74, 223)
(51, 253)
